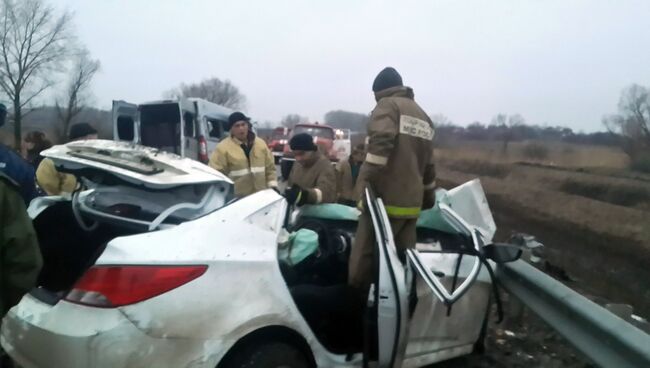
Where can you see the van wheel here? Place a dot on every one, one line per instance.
(270, 355)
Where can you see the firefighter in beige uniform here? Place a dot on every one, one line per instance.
(244, 158)
(398, 167)
(313, 177)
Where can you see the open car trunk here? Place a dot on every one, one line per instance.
(68, 249)
(126, 190)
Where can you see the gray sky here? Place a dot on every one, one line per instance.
(556, 62)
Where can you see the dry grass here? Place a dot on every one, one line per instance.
(559, 154)
(585, 187)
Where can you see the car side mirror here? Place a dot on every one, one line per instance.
(502, 252)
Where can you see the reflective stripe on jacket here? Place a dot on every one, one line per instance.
(317, 176)
(250, 174)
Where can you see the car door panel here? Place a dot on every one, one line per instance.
(391, 292)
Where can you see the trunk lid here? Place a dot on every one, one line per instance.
(131, 163)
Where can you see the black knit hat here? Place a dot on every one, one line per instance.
(235, 117)
(81, 130)
(302, 142)
(387, 78)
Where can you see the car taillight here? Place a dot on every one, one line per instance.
(203, 150)
(114, 286)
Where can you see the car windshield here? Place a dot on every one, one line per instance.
(320, 132)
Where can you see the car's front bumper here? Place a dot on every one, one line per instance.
(37, 335)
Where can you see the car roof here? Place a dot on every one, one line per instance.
(132, 163)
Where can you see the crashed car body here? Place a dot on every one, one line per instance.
(155, 264)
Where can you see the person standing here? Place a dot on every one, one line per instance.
(313, 177)
(244, 158)
(16, 168)
(398, 167)
(347, 173)
(49, 178)
(36, 142)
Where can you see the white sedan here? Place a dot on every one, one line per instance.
(155, 264)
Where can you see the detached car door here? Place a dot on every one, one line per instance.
(390, 292)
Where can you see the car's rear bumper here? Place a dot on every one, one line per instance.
(37, 335)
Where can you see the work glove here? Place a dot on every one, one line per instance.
(296, 195)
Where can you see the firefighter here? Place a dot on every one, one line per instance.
(244, 158)
(399, 169)
(313, 177)
(49, 178)
(347, 173)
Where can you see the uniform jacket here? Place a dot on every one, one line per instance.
(317, 176)
(250, 172)
(399, 164)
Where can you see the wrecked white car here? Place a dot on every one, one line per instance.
(155, 264)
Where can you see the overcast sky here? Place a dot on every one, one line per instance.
(555, 62)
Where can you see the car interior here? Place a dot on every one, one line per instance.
(318, 285)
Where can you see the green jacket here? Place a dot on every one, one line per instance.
(20, 256)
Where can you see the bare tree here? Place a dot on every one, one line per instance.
(440, 120)
(83, 70)
(499, 119)
(213, 89)
(33, 45)
(632, 122)
(507, 126)
(291, 120)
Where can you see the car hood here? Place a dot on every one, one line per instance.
(131, 163)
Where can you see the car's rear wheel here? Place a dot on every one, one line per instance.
(268, 355)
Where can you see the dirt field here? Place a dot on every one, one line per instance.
(594, 219)
(592, 215)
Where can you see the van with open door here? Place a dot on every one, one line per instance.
(188, 127)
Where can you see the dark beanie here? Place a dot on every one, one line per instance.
(81, 130)
(387, 78)
(235, 117)
(302, 142)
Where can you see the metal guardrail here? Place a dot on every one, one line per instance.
(603, 337)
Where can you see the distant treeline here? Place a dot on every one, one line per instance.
(478, 131)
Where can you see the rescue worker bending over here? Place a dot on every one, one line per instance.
(313, 178)
(49, 178)
(399, 169)
(347, 173)
(244, 158)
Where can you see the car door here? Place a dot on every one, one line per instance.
(126, 126)
(390, 292)
(453, 293)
